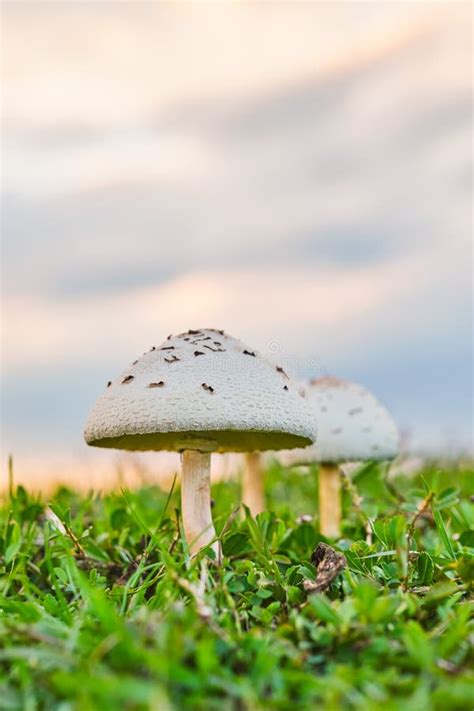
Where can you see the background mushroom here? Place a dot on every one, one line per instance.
(200, 392)
(352, 426)
(253, 483)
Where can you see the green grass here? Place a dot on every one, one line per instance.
(113, 614)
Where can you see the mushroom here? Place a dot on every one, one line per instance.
(222, 401)
(353, 426)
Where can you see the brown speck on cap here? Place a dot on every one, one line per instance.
(280, 370)
(169, 337)
(214, 350)
(153, 348)
(109, 383)
(207, 387)
(173, 359)
(167, 348)
(127, 379)
(198, 353)
(355, 411)
(156, 385)
(285, 387)
(250, 353)
(135, 362)
(193, 333)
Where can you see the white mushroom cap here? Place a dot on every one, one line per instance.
(352, 425)
(201, 390)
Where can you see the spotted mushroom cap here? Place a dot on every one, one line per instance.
(201, 390)
(352, 425)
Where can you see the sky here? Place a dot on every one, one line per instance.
(299, 174)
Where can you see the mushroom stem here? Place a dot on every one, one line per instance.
(253, 483)
(196, 502)
(329, 500)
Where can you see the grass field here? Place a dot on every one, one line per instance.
(113, 614)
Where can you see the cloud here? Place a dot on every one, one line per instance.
(145, 57)
(347, 162)
(295, 304)
(299, 176)
(369, 324)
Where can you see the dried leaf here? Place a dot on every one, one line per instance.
(329, 564)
